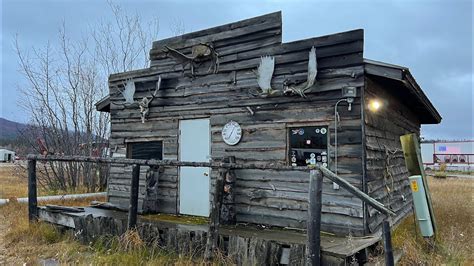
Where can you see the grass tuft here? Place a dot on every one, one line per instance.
(454, 214)
(452, 202)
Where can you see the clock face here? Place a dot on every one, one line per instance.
(232, 133)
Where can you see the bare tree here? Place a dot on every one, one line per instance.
(64, 81)
(177, 27)
(123, 43)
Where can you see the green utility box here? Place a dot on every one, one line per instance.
(421, 205)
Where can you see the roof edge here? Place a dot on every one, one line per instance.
(103, 105)
(403, 74)
(422, 96)
(274, 16)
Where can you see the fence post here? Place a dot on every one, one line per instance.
(314, 217)
(387, 244)
(32, 191)
(213, 233)
(133, 209)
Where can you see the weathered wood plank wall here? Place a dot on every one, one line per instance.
(387, 175)
(275, 198)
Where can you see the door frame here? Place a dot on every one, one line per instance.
(178, 181)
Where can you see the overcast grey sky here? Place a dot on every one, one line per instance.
(433, 38)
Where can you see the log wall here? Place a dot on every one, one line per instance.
(266, 197)
(387, 175)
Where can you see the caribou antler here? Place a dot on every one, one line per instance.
(201, 51)
(128, 93)
(144, 103)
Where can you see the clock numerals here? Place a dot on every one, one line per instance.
(232, 133)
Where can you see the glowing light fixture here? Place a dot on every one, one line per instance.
(374, 105)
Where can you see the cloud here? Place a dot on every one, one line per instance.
(432, 38)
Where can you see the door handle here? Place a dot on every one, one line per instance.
(206, 174)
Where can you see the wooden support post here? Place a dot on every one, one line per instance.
(387, 244)
(414, 164)
(314, 219)
(32, 191)
(133, 209)
(213, 233)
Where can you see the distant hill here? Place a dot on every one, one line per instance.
(9, 130)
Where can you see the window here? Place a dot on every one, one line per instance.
(308, 146)
(145, 150)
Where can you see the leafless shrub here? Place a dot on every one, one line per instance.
(64, 80)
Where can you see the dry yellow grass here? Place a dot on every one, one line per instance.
(30, 244)
(21, 243)
(454, 213)
(12, 183)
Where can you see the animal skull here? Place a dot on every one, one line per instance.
(144, 109)
(144, 103)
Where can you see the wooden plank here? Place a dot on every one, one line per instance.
(393, 73)
(153, 162)
(383, 130)
(56, 218)
(32, 191)
(340, 55)
(133, 209)
(212, 237)
(344, 184)
(224, 31)
(314, 217)
(414, 164)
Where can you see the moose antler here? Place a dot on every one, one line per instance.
(264, 75)
(302, 88)
(127, 92)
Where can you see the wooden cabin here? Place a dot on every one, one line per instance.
(236, 92)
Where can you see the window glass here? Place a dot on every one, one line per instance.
(145, 150)
(308, 146)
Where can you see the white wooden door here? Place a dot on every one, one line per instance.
(194, 182)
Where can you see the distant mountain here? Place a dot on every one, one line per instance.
(9, 129)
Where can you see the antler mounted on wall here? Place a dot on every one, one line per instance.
(265, 73)
(200, 52)
(302, 88)
(145, 101)
(128, 92)
(264, 76)
(144, 104)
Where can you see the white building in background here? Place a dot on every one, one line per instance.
(7, 155)
(456, 154)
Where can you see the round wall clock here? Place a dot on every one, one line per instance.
(231, 133)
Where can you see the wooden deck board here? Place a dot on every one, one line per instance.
(337, 246)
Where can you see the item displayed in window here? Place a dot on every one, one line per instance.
(308, 146)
